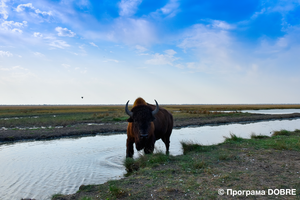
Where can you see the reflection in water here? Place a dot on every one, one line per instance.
(42, 168)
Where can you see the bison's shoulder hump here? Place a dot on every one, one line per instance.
(139, 101)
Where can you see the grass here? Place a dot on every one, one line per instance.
(193, 147)
(144, 161)
(259, 163)
(18, 116)
(28, 116)
(116, 191)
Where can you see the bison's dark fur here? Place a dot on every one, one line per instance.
(146, 125)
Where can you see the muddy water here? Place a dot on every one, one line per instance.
(43, 168)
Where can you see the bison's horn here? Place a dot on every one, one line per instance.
(154, 112)
(128, 111)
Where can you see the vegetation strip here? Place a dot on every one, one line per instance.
(39, 122)
(258, 164)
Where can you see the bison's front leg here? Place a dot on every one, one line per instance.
(149, 148)
(129, 148)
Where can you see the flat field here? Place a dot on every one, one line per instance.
(20, 116)
(51, 122)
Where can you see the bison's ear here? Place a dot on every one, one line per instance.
(130, 119)
(152, 119)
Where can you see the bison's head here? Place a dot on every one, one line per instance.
(142, 118)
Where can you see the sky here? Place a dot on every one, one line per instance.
(177, 52)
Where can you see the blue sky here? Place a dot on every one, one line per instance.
(177, 52)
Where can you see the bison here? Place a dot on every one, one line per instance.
(146, 124)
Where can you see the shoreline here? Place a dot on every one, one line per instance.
(83, 129)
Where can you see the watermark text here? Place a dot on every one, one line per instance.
(268, 192)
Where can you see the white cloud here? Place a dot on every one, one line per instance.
(205, 37)
(82, 51)
(132, 31)
(37, 34)
(5, 53)
(59, 44)
(93, 44)
(16, 75)
(38, 54)
(163, 59)
(3, 11)
(222, 25)
(77, 69)
(170, 52)
(125, 30)
(81, 71)
(168, 11)
(180, 66)
(141, 48)
(11, 25)
(66, 65)
(128, 7)
(15, 68)
(64, 32)
(216, 50)
(37, 11)
(22, 7)
(16, 30)
(111, 60)
(170, 8)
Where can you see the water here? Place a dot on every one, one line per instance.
(273, 111)
(42, 168)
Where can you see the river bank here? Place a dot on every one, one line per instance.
(261, 167)
(90, 128)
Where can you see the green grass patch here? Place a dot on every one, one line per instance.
(191, 147)
(57, 196)
(146, 160)
(254, 136)
(86, 188)
(86, 198)
(116, 191)
(233, 138)
(118, 119)
(286, 133)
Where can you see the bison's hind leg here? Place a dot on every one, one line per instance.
(166, 140)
